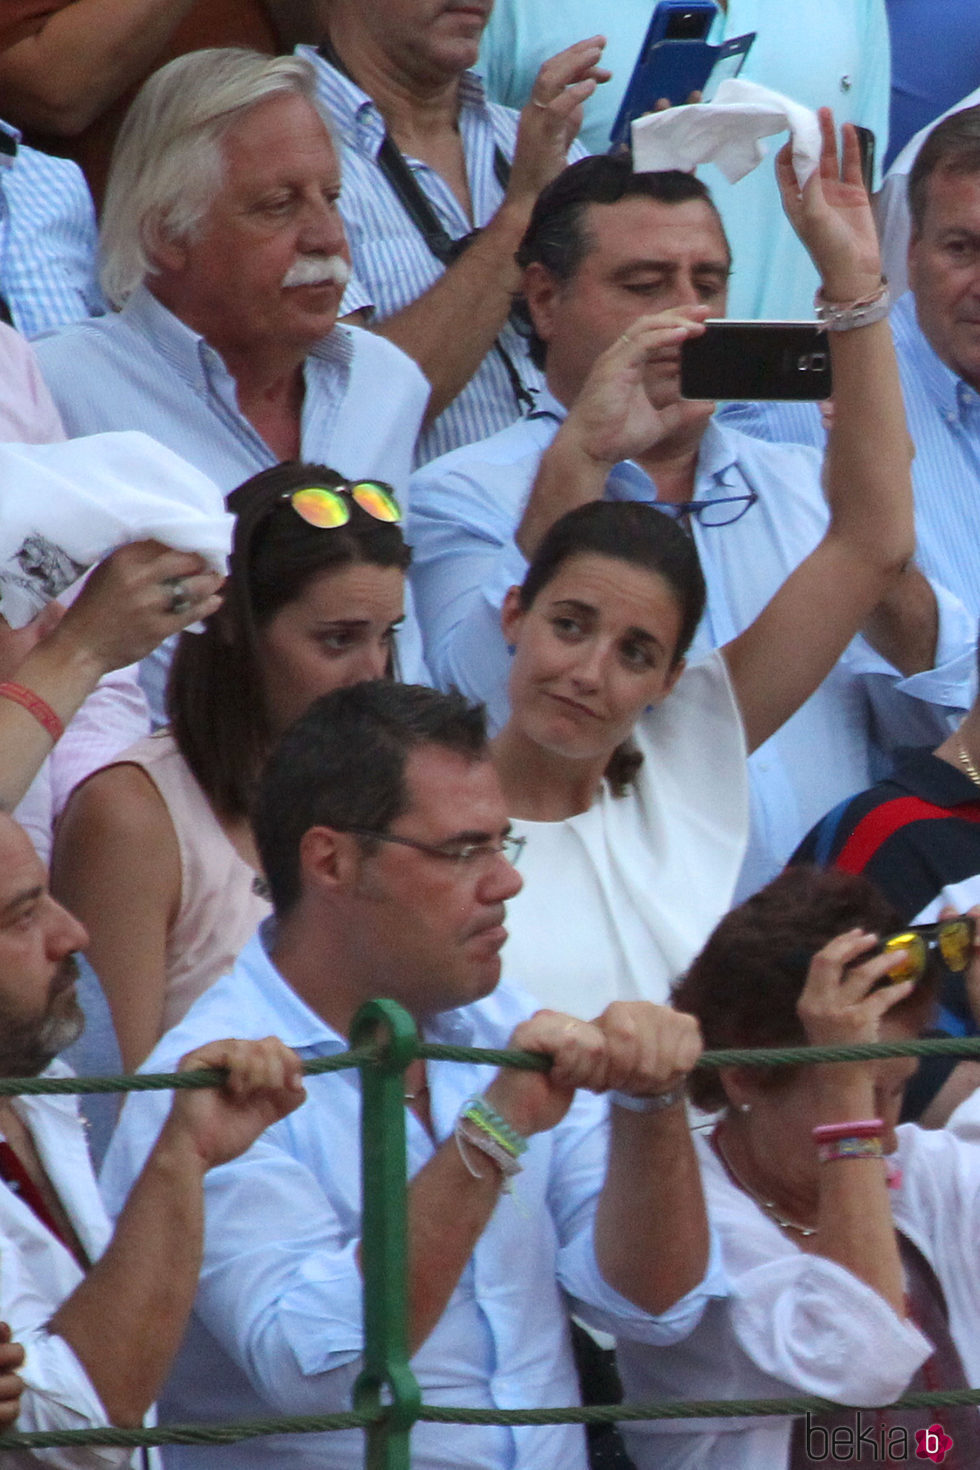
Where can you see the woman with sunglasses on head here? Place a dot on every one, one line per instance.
(851, 1243)
(625, 771)
(155, 853)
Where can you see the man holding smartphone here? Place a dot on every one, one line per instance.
(620, 268)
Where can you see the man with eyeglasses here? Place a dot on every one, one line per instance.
(384, 838)
(620, 267)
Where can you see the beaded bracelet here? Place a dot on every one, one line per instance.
(850, 1148)
(479, 1112)
(865, 1128)
(467, 1133)
(36, 706)
(844, 316)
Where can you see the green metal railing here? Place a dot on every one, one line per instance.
(387, 1398)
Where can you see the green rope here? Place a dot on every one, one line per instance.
(430, 1414)
(785, 1056)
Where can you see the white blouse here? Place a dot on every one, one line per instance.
(618, 900)
(796, 1323)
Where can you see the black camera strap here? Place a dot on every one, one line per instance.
(419, 209)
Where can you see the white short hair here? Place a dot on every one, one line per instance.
(167, 164)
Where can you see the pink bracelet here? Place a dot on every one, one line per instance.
(867, 1128)
(849, 1148)
(35, 706)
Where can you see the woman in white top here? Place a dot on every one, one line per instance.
(625, 878)
(853, 1254)
(155, 852)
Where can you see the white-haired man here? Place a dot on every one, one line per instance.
(223, 245)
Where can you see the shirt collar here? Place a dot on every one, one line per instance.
(353, 110)
(301, 1028)
(932, 779)
(953, 397)
(718, 466)
(195, 360)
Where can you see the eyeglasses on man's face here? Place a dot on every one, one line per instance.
(463, 854)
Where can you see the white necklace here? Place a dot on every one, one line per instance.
(764, 1204)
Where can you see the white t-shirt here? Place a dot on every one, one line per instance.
(618, 900)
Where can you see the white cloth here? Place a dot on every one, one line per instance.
(727, 131)
(277, 1325)
(37, 1273)
(618, 900)
(63, 507)
(797, 1323)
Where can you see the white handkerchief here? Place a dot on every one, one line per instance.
(64, 507)
(727, 131)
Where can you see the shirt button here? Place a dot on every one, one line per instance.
(845, 83)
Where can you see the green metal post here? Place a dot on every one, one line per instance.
(386, 1383)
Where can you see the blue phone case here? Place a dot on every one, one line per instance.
(675, 69)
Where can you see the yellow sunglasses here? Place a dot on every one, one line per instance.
(950, 939)
(329, 507)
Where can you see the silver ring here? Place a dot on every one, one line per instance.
(180, 599)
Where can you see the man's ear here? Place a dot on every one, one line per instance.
(329, 860)
(541, 291)
(511, 616)
(164, 251)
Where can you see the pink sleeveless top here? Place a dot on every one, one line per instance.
(219, 911)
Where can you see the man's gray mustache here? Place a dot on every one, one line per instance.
(315, 270)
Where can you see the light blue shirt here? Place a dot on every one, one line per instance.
(277, 1323)
(943, 415)
(391, 259)
(47, 240)
(818, 52)
(466, 508)
(143, 368)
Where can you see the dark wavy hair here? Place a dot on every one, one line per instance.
(641, 536)
(556, 236)
(745, 984)
(342, 765)
(216, 692)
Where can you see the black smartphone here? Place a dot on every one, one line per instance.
(866, 143)
(734, 360)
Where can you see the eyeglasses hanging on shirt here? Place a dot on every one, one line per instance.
(720, 510)
(437, 238)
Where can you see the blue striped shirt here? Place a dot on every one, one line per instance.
(944, 420)
(47, 240)
(392, 260)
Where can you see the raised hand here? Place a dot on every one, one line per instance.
(832, 214)
(613, 417)
(137, 597)
(553, 115)
(839, 1004)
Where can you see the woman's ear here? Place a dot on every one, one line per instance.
(741, 1086)
(511, 616)
(673, 676)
